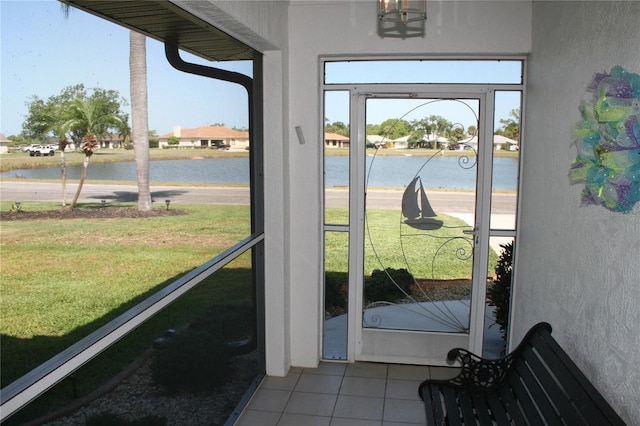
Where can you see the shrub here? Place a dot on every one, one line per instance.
(232, 323)
(192, 361)
(499, 292)
(389, 285)
(173, 140)
(197, 359)
(334, 299)
(154, 143)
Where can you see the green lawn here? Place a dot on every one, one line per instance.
(63, 279)
(389, 243)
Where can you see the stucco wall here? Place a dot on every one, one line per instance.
(350, 28)
(578, 267)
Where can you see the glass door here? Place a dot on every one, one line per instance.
(417, 253)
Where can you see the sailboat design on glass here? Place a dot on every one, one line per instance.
(416, 208)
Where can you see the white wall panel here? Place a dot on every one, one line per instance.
(578, 266)
(477, 28)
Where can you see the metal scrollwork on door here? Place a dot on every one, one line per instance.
(419, 222)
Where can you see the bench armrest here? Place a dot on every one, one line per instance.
(478, 373)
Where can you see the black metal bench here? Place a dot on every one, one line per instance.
(536, 384)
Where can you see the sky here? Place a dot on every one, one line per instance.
(42, 52)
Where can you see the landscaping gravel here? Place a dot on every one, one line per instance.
(138, 396)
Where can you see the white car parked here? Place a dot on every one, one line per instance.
(31, 147)
(42, 151)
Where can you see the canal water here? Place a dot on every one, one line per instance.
(385, 171)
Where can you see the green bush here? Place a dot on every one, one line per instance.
(389, 285)
(154, 143)
(173, 140)
(230, 322)
(334, 299)
(192, 361)
(197, 359)
(499, 291)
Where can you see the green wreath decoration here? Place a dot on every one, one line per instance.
(608, 142)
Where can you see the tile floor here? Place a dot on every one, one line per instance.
(335, 394)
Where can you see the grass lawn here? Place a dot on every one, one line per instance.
(441, 254)
(62, 279)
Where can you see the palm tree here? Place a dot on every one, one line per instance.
(87, 115)
(61, 133)
(89, 146)
(140, 115)
(53, 120)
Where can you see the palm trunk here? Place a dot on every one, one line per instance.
(63, 175)
(140, 116)
(85, 165)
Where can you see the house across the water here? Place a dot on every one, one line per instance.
(205, 137)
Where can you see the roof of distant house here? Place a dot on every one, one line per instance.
(497, 139)
(376, 138)
(335, 137)
(209, 132)
(112, 137)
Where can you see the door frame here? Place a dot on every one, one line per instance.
(379, 345)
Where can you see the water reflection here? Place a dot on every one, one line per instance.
(397, 171)
(216, 170)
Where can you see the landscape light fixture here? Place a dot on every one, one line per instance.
(403, 11)
(104, 202)
(167, 202)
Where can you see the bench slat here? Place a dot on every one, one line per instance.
(523, 398)
(585, 396)
(513, 409)
(498, 408)
(451, 397)
(433, 404)
(464, 399)
(538, 396)
(552, 388)
(481, 408)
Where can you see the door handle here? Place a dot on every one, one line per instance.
(473, 232)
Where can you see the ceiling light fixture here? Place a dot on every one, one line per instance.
(402, 10)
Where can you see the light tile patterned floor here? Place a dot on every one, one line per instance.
(360, 394)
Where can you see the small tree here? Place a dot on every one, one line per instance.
(63, 167)
(89, 146)
(499, 292)
(173, 140)
(511, 125)
(92, 117)
(338, 127)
